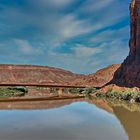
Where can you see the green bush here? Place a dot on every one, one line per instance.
(12, 92)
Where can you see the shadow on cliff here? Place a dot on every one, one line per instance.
(120, 79)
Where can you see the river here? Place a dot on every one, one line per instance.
(79, 119)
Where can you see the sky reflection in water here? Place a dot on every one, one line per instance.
(78, 121)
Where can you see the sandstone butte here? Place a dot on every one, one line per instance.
(125, 75)
(129, 73)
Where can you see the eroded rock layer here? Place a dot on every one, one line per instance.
(12, 74)
(98, 79)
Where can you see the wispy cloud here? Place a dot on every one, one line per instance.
(111, 35)
(26, 48)
(84, 52)
(96, 5)
(87, 31)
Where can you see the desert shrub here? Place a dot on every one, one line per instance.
(75, 90)
(12, 92)
(83, 90)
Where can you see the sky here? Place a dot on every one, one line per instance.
(77, 35)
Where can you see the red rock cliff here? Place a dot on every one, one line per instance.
(129, 72)
(134, 56)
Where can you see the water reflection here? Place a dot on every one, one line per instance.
(73, 119)
(130, 121)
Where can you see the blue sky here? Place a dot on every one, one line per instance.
(78, 35)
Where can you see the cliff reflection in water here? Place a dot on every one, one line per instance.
(95, 118)
(130, 121)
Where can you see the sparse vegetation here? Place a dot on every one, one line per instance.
(53, 90)
(128, 95)
(82, 90)
(13, 92)
(121, 103)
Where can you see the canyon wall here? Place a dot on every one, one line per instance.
(129, 72)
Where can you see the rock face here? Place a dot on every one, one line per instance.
(35, 75)
(134, 56)
(129, 72)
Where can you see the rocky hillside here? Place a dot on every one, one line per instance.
(129, 72)
(26, 74)
(35, 75)
(98, 79)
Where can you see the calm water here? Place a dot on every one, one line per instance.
(76, 121)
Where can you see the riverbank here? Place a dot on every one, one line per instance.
(15, 94)
(119, 93)
(111, 91)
